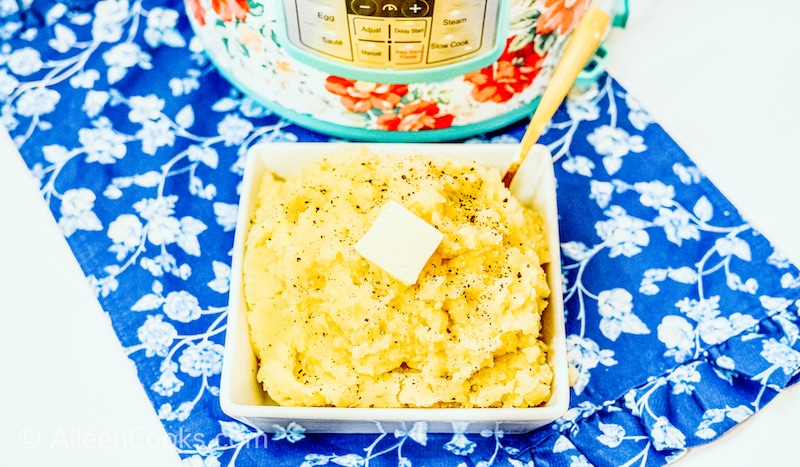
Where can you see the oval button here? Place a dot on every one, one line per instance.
(415, 8)
(364, 7)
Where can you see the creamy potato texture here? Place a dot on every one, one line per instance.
(331, 329)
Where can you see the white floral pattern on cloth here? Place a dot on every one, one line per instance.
(682, 319)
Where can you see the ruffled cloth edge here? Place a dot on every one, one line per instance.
(639, 426)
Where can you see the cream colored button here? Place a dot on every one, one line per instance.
(408, 54)
(373, 52)
(371, 29)
(456, 18)
(467, 5)
(451, 46)
(456, 31)
(330, 42)
(324, 28)
(409, 30)
(315, 14)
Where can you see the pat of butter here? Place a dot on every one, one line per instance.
(399, 242)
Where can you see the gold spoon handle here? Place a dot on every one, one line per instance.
(580, 46)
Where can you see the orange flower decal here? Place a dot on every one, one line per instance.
(560, 15)
(415, 116)
(197, 10)
(360, 96)
(229, 9)
(509, 75)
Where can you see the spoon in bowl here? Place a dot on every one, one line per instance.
(580, 46)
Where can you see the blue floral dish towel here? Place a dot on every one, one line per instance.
(682, 318)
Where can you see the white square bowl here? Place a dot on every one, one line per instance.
(241, 395)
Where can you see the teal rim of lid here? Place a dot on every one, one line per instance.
(594, 68)
(621, 12)
(400, 76)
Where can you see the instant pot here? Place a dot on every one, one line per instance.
(393, 70)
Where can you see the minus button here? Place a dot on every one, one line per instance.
(364, 7)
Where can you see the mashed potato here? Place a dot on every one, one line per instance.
(331, 329)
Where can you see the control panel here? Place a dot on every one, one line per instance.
(393, 34)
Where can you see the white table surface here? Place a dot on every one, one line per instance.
(721, 76)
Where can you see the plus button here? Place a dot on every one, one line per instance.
(415, 8)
